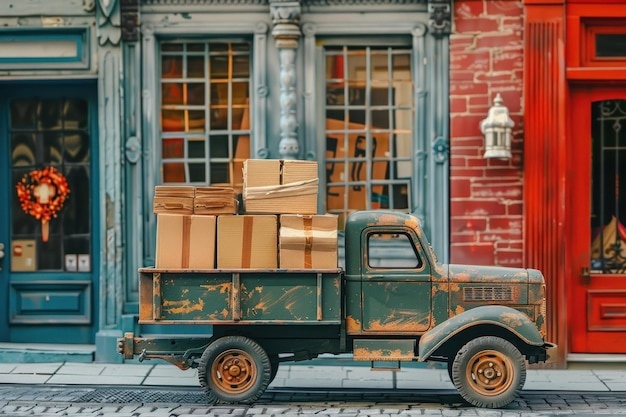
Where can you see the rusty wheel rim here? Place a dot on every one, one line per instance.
(490, 372)
(234, 371)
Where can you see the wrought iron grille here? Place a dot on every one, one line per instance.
(608, 170)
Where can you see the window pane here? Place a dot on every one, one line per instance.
(172, 148)
(24, 114)
(195, 67)
(401, 255)
(611, 45)
(171, 67)
(219, 67)
(195, 94)
(196, 147)
(241, 66)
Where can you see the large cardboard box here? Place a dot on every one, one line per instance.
(247, 241)
(273, 186)
(173, 199)
(185, 241)
(215, 200)
(308, 241)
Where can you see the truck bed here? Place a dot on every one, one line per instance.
(220, 296)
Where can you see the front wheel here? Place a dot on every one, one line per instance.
(234, 369)
(488, 372)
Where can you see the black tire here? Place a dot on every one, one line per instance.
(274, 363)
(489, 372)
(234, 369)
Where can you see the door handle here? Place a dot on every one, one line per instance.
(585, 275)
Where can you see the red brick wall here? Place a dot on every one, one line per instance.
(486, 206)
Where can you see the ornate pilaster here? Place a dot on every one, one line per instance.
(108, 30)
(286, 31)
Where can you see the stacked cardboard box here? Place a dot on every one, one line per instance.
(308, 241)
(273, 186)
(185, 241)
(173, 199)
(247, 241)
(214, 200)
(187, 224)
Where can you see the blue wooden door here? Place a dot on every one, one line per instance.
(49, 215)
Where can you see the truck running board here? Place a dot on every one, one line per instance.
(393, 366)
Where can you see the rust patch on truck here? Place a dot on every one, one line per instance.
(353, 325)
(512, 320)
(378, 354)
(183, 306)
(223, 288)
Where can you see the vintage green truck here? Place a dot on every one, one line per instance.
(484, 322)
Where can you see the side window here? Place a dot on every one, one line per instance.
(392, 250)
(205, 113)
(369, 112)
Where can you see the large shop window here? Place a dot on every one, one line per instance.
(205, 112)
(369, 113)
(51, 214)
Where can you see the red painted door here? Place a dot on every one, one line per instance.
(597, 216)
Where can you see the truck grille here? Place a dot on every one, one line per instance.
(487, 294)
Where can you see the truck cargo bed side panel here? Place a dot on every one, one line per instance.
(213, 297)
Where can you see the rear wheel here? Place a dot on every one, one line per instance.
(489, 372)
(274, 363)
(234, 369)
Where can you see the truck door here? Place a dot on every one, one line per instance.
(395, 283)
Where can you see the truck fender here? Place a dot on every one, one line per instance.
(508, 318)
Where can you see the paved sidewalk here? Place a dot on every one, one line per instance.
(302, 375)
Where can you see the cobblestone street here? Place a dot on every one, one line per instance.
(56, 401)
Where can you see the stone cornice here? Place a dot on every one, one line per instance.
(267, 2)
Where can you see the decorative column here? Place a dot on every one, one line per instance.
(286, 31)
(133, 174)
(109, 300)
(438, 162)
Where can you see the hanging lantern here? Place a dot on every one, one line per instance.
(497, 130)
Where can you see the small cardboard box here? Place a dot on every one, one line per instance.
(173, 199)
(247, 241)
(308, 241)
(185, 241)
(215, 200)
(273, 186)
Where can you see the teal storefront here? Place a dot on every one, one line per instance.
(101, 101)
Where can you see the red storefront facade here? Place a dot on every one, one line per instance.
(555, 205)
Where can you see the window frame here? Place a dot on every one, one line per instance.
(370, 47)
(207, 132)
(431, 92)
(254, 26)
(593, 27)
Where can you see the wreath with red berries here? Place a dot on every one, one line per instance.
(27, 192)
